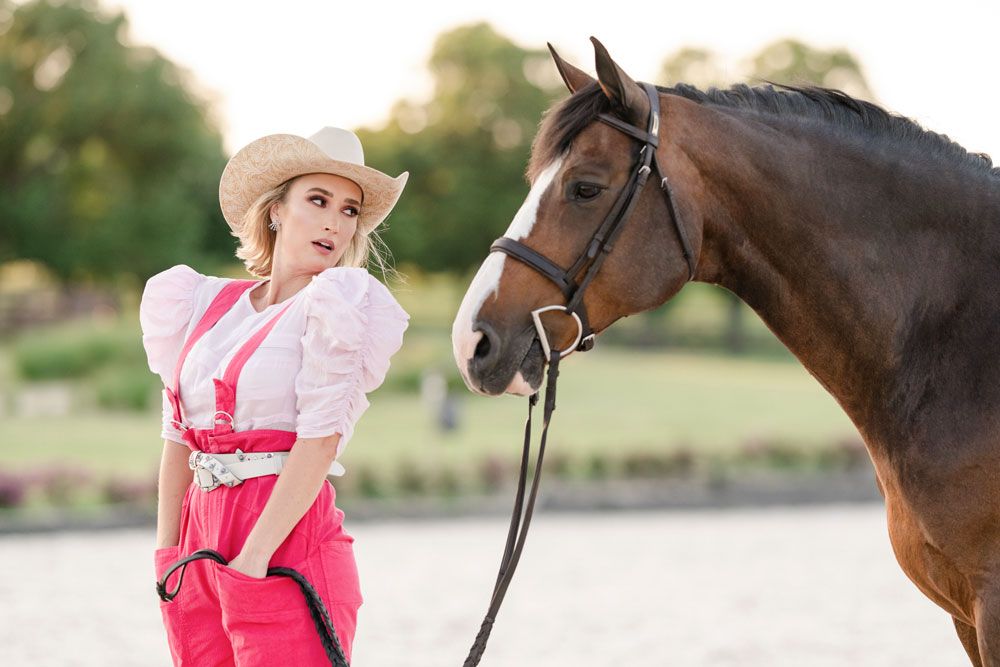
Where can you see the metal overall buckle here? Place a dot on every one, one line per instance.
(230, 421)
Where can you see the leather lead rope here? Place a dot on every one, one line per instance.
(317, 610)
(521, 518)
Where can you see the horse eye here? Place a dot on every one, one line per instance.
(586, 191)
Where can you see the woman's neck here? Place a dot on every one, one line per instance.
(280, 286)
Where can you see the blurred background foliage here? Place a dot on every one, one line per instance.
(466, 149)
(110, 162)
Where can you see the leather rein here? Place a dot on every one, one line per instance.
(589, 263)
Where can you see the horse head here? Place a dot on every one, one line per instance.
(585, 163)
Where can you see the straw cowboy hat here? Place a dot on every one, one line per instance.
(270, 161)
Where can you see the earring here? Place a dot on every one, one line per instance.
(275, 225)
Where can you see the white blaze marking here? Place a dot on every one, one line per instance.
(487, 280)
(523, 222)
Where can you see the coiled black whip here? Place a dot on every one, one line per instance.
(516, 535)
(317, 610)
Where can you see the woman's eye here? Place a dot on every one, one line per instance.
(586, 191)
(319, 201)
(352, 212)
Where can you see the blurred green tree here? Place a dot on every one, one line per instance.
(786, 61)
(466, 149)
(790, 61)
(109, 163)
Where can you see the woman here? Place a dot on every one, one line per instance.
(267, 377)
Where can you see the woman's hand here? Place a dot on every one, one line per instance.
(249, 565)
(300, 481)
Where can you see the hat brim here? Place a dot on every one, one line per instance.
(270, 161)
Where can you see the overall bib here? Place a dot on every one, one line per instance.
(224, 617)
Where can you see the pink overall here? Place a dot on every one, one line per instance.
(221, 616)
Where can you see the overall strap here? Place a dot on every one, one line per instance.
(225, 389)
(223, 301)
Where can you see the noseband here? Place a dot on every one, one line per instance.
(603, 240)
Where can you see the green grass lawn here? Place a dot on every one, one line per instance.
(614, 402)
(610, 400)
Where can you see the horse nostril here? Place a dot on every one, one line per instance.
(483, 347)
(487, 353)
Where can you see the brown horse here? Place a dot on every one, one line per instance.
(870, 246)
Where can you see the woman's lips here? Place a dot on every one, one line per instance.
(324, 246)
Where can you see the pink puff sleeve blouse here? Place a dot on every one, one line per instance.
(311, 373)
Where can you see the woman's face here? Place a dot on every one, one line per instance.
(318, 217)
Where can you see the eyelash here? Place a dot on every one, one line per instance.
(352, 211)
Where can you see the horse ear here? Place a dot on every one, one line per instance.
(574, 77)
(625, 94)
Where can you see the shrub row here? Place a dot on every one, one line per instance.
(496, 473)
(110, 357)
(77, 350)
(61, 486)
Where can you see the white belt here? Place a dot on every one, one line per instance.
(213, 470)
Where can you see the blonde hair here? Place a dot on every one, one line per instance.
(257, 239)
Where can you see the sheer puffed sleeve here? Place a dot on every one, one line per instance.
(353, 327)
(164, 314)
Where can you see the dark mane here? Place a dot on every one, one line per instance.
(834, 107)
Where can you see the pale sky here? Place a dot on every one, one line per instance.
(297, 65)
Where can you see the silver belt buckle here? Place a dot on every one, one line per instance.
(205, 480)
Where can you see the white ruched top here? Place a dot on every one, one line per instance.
(309, 375)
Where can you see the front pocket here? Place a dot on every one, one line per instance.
(336, 573)
(260, 600)
(163, 559)
(172, 612)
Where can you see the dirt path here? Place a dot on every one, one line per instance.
(813, 586)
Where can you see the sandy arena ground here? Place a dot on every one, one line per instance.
(813, 586)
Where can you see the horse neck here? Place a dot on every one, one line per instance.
(857, 259)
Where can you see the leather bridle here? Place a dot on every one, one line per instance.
(597, 249)
(602, 242)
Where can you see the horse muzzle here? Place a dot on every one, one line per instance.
(493, 364)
